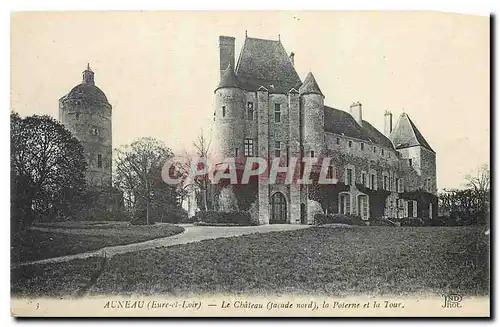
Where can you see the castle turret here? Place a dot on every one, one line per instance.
(312, 107)
(86, 112)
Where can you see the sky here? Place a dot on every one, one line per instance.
(159, 70)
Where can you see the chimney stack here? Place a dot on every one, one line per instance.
(357, 112)
(292, 58)
(387, 123)
(226, 51)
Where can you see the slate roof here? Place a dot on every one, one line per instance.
(406, 134)
(228, 79)
(341, 122)
(87, 91)
(310, 86)
(266, 63)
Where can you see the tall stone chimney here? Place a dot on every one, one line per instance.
(357, 112)
(226, 50)
(387, 123)
(292, 58)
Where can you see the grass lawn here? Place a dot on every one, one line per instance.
(330, 261)
(76, 237)
(319, 260)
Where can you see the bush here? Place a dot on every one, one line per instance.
(140, 219)
(413, 222)
(175, 215)
(322, 219)
(241, 218)
(381, 222)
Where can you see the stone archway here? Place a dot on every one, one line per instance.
(278, 209)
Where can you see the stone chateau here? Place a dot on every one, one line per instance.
(86, 112)
(264, 109)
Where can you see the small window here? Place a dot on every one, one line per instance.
(372, 181)
(374, 149)
(277, 113)
(214, 115)
(99, 161)
(382, 152)
(338, 140)
(236, 152)
(386, 183)
(250, 111)
(410, 162)
(330, 172)
(248, 147)
(363, 178)
(277, 149)
(348, 176)
(95, 131)
(362, 146)
(223, 111)
(312, 154)
(350, 144)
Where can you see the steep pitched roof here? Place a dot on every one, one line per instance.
(341, 122)
(266, 63)
(406, 134)
(310, 86)
(228, 79)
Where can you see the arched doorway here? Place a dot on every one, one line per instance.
(278, 209)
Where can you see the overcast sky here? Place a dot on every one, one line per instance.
(159, 70)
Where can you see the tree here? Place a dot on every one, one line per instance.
(47, 169)
(201, 184)
(138, 175)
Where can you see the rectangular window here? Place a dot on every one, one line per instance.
(382, 152)
(350, 144)
(277, 149)
(386, 184)
(362, 146)
(236, 152)
(397, 185)
(277, 113)
(372, 181)
(374, 149)
(248, 147)
(223, 111)
(338, 140)
(312, 154)
(410, 162)
(99, 161)
(348, 180)
(250, 111)
(363, 178)
(330, 172)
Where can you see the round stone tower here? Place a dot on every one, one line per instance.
(230, 117)
(86, 112)
(312, 104)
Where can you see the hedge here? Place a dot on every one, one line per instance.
(322, 219)
(241, 218)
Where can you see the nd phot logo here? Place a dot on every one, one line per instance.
(452, 301)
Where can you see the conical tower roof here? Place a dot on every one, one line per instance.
(406, 134)
(228, 79)
(310, 86)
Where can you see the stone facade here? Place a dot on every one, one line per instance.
(86, 112)
(259, 113)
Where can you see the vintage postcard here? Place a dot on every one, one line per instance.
(238, 163)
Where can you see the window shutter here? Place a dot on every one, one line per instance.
(414, 208)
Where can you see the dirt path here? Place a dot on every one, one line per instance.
(191, 234)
